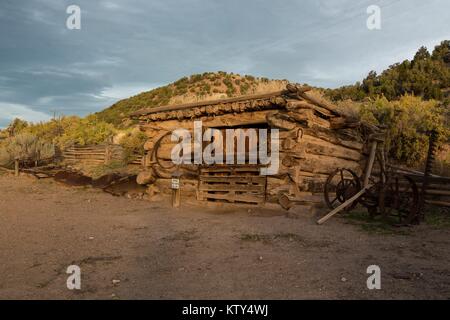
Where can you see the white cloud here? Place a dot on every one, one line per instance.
(125, 45)
(68, 72)
(333, 8)
(110, 5)
(10, 111)
(126, 91)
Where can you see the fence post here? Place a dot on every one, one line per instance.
(38, 157)
(107, 154)
(176, 192)
(16, 167)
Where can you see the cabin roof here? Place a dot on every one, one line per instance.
(293, 94)
(185, 106)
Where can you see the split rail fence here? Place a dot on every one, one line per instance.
(98, 154)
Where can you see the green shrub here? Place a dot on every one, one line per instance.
(65, 131)
(426, 75)
(89, 130)
(196, 78)
(17, 126)
(24, 146)
(408, 121)
(244, 88)
(133, 143)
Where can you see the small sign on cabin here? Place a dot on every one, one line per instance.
(175, 183)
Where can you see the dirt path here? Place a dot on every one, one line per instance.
(200, 252)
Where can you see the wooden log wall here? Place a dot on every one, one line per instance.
(309, 148)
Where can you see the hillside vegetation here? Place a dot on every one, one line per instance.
(197, 87)
(426, 75)
(409, 99)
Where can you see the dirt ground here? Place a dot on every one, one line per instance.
(205, 251)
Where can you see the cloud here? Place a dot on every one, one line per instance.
(127, 47)
(10, 111)
(110, 5)
(127, 90)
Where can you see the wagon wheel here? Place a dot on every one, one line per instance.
(403, 197)
(165, 164)
(340, 186)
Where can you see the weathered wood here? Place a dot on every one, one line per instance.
(176, 198)
(333, 138)
(231, 169)
(319, 103)
(438, 203)
(326, 164)
(342, 122)
(438, 192)
(93, 154)
(246, 198)
(231, 187)
(146, 177)
(307, 119)
(309, 148)
(304, 198)
(243, 119)
(219, 121)
(304, 117)
(84, 153)
(108, 155)
(343, 205)
(248, 179)
(275, 121)
(293, 105)
(6, 170)
(296, 88)
(241, 184)
(16, 167)
(288, 144)
(370, 162)
(207, 103)
(318, 146)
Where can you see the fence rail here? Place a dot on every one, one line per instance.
(98, 154)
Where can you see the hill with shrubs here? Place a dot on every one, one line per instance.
(197, 87)
(410, 99)
(427, 75)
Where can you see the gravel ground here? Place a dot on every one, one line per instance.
(136, 249)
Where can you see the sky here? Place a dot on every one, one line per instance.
(128, 46)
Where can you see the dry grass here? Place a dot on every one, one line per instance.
(219, 89)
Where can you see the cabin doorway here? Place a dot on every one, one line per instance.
(234, 183)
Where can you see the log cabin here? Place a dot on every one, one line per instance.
(314, 139)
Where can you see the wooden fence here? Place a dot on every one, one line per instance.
(438, 189)
(98, 154)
